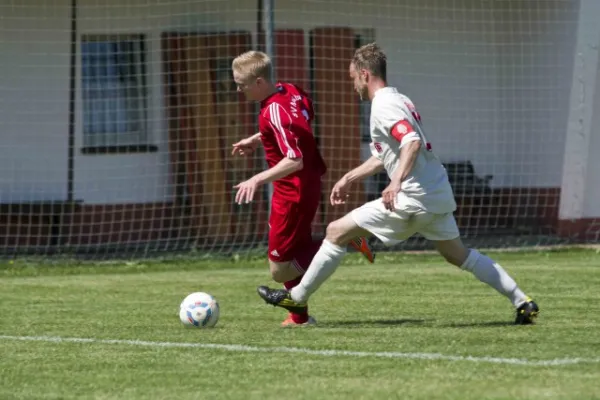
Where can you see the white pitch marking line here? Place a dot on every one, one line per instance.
(327, 353)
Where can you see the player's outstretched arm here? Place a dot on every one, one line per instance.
(370, 167)
(340, 190)
(408, 155)
(283, 168)
(246, 146)
(247, 189)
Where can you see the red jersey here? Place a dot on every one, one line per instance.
(284, 124)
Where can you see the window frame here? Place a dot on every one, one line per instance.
(109, 146)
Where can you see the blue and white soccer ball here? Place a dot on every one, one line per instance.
(199, 310)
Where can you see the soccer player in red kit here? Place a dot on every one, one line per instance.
(295, 168)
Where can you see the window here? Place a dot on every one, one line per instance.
(114, 94)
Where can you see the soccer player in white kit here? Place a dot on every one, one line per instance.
(418, 199)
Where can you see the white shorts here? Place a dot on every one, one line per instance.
(392, 227)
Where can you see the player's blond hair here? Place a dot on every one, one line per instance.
(253, 64)
(372, 58)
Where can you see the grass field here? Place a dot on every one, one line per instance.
(408, 327)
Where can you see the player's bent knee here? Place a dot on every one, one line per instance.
(283, 272)
(333, 232)
(343, 230)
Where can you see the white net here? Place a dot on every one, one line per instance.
(117, 117)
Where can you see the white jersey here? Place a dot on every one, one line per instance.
(394, 123)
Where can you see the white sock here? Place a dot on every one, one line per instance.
(322, 266)
(490, 272)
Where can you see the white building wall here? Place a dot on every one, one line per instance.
(34, 100)
(488, 78)
(442, 57)
(580, 195)
(591, 208)
(536, 50)
(134, 178)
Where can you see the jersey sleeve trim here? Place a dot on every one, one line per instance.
(411, 137)
(282, 127)
(404, 132)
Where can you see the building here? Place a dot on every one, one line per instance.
(121, 136)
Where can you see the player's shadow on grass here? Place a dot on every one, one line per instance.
(488, 324)
(375, 322)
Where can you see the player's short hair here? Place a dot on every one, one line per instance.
(372, 58)
(253, 64)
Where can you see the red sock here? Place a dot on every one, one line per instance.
(290, 284)
(302, 261)
(302, 317)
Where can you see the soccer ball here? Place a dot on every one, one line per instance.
(199, 310)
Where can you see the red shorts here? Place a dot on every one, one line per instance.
(290, 227)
